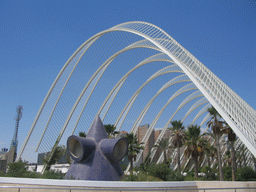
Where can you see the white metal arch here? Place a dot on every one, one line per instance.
(100, 71)
(210, 85)
(182, 155)
(191, 97)
(83, 49)
(179, 79)
(154, 58)
(201, 112)
(195, 105)
(235, 111)
(135, 95)
(184, 89)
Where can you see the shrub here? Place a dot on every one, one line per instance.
(20, 169)
(190, 175)
(17, 169)
(2, 174)
(130, 178)
(159, 170)
(141, 176)
(209, 173)
(189, 178)
(33, 174)
(227, 173)
(175, 176)
(245, 174)
(51, 174)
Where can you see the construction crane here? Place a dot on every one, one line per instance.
(17, 118)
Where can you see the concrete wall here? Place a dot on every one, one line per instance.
(48, 185)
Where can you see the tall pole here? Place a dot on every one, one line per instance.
(14, 142)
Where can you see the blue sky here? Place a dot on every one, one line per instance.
(38, 37)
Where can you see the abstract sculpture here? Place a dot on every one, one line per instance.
(96, 157)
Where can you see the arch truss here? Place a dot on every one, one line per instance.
(131, 74)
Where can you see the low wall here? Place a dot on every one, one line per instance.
(47, 185)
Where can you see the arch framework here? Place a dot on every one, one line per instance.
(130, 74)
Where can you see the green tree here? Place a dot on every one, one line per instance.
(178, 138)
(17, 169)
(51, 174)
(231, 139)
(110, 129)
(245, 174)
(195, 145)
(164, 145)
(241, 155)
(82, 134)
(227, 173)
(133, 149)
(146, 163)
(58, 152)
(159, 170)
(210, 152)
(209, 173)
(216, 126)
(227, 158)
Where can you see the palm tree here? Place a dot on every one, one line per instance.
(134, 148)
(210, 152)
(178, 138)
(58, 152)
(227, 158)
(144, 165)
(195, 144)
(231, 139)
(82, 134)
(216, 127)
(241, 149)
(213, 153)
(110, 129)
(164, 145)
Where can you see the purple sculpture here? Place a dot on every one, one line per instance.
(96, 157)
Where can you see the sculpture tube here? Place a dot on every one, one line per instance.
(114, 149)
(80, 148)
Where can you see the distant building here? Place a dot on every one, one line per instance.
(122, 133)
(142, 130)
(6, 158)
(167, 135)
(63, 159)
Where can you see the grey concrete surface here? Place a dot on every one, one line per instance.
(47, 185)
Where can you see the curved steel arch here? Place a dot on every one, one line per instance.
(151, 59)
(196, 105)
(239, 115)
(201, 112)
(139, 44)
(182, 156)
(135, 95)
(235, 111)
(175, 95)
(179, 79)
(189, 98)
(103, 67)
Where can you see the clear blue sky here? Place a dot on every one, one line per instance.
(38, 37)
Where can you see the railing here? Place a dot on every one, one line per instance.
(129, 189)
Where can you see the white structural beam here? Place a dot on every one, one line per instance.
(191, 97)
(235, 111)
(154, 58)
